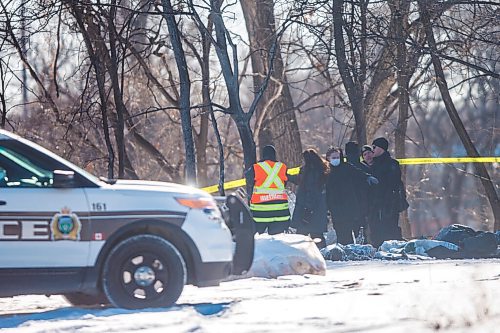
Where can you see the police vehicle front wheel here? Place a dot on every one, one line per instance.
(144, 271)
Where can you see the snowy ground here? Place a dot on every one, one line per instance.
(375, 296)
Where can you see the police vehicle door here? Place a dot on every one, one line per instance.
(41, 226)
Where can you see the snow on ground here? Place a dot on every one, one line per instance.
(374, 296)
(285, 254)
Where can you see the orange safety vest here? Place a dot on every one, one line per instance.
(269, 182)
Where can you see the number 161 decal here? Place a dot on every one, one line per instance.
(99, 206)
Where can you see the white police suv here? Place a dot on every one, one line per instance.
(133, 244)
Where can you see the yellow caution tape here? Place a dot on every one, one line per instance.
(406, 161)
(293, 171)
(444, 160)
(227, 186)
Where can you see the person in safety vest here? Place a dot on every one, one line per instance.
(269, 201)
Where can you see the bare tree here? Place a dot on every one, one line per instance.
(425, 7)
(2, 95)
(354, 88)
(208, 112)
(185, 90)
(230, 73)
(12, 39)
(276, 121)
(400, 11)
(89, 33)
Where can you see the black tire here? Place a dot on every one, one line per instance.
(144, 271)
(81, 299)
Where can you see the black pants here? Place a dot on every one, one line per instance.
(344, 233)
(272, 228)
(344, 227)
(384, 226)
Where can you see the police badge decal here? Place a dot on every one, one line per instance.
(65, 226)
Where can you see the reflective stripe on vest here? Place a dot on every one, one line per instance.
(267, 190)
(270, 212)
(271, 219)
(272, 176)
(272, 187)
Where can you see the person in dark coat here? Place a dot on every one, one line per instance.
(310, 213)
(384, 222)
(367, 156)
(346, 190)
(352, 154)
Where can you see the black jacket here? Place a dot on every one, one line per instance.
(388, 172)
(347, 193)
(356, 163)
(310, 213)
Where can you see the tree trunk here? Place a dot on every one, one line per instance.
(276, 122)
(117, 93)
(201, 149)
(2, 97)
(207, 100)
(248, 144)
(230, 74)
(471, 150)
(220, 147)
(88, 31)
(23, 43)
(158, 157)
(354, 91)
(399, 10)
(185, 91)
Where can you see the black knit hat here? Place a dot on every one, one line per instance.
(269, 153)
(352, 148)
(381, 142)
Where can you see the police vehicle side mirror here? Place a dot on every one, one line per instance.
(63, 179)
